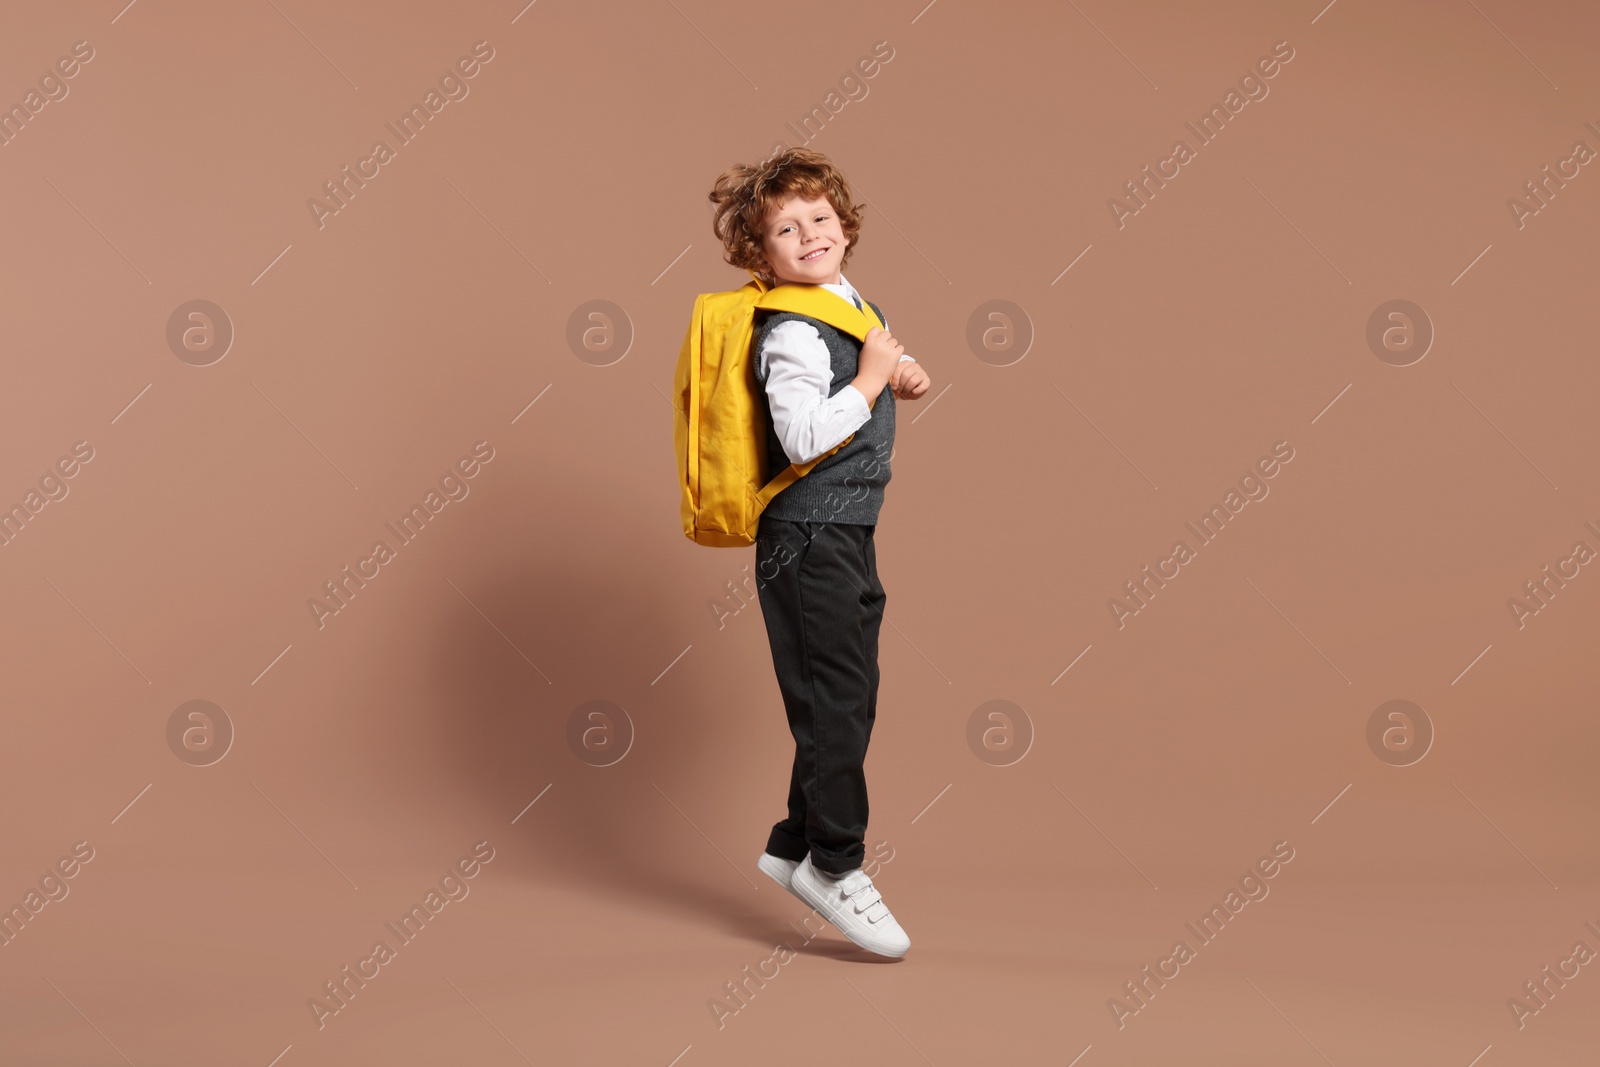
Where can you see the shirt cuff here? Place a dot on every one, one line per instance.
(855, 404)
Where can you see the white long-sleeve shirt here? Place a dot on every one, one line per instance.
(799, 371)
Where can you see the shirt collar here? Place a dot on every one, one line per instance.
(845, 290)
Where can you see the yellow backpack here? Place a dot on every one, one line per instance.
(719, 428)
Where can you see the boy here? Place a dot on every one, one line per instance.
(793, 220)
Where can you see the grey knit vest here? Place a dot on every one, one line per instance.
(847, 486)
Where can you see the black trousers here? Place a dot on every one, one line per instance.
(823, 605)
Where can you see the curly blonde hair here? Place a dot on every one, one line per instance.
(744, 194)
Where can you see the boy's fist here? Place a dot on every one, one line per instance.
(879, 354)
(909, 380)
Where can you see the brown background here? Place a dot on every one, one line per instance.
(373, 352)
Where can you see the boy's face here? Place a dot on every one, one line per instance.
(804, 242)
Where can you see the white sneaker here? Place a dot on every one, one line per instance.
(780, 871)
(853, 906)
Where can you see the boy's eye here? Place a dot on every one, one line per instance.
(786, 229)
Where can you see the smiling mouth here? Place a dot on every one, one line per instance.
(816, 255)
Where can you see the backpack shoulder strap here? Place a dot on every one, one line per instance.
(816, 302)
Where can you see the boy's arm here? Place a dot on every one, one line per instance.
(799, 370)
